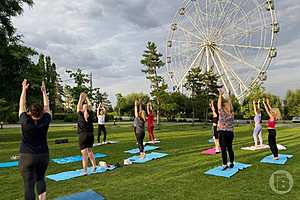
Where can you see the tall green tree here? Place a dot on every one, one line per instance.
(292, 103)
(81, 80)
(15, 58)
(152, 62)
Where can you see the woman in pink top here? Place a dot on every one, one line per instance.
(273, 115)
(150, 123)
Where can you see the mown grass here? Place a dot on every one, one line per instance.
(177, 176)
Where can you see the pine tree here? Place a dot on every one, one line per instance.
(152, 61)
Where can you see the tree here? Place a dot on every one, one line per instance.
(80, 79)
(257, 93)
(125, 104)
(15, 58)
(102, 98)
(152, 62)
(292, 103)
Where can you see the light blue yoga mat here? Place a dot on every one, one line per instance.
(87, 195)
(148, 157)
(77, 158)
(210, 141)
(77, 173)
(281, 161)
(146, 148)
(9, 164)
(217, 171)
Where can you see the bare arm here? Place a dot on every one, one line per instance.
(136, 108)
(212, 107)
(45, 98)
(89, 104)
(22, 103)
(254, 106)
(267, 110)
(82, 97)
(220, 99)
(148, 107)
(98, 110)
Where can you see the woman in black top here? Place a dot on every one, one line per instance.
(85, 131)
(34, 153)
(139, 127)
(215, 127)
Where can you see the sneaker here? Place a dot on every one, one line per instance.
(224, 167)
(94, 169)
(231, 165)
(84, 172)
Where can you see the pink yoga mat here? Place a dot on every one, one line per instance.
(211, 151)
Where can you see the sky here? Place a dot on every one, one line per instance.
(107, 38)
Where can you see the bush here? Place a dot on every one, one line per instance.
(59, 116)
(13, 117)
(70, 117)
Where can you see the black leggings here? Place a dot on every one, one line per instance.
(139, 138)
(33, 168)
(272, 142)
(101, 127)
(226, 139)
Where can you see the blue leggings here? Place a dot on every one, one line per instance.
(257, 132)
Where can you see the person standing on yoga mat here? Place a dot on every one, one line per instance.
(34, 152)
(101, 111)
(274, 114)
(85, 131)
(150, 122)
(225, 129)
(215, 126)
(257, 132)
(139, 126)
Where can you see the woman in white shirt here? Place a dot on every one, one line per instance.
(101, 122)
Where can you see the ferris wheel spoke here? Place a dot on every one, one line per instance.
(187, 41)
(225, 71)
(238, 59)
(203, 35)
(234, 74)
(244, 46)
(191, 65)
(189, 32)
(199, 13)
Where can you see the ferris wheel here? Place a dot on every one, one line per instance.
(234, 38)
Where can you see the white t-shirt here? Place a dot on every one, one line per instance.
(101, 119)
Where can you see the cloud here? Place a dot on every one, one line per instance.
(108, 38)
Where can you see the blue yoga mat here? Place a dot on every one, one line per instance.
(77, 173)
(71, 159)
(146, 148)
(217, 171)
(210, 141)
(87, 195)
(148, 157)
(281, 161)
(9, 164)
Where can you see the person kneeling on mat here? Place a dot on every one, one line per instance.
(34, 152)
(225, 129)
(139, 127)
(85, 131)
(274, 114)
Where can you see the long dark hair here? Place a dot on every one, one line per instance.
(36, 110)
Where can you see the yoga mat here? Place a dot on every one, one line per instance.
(210, 141)
(77, 173)
(9, 164)
(146, 148)
(87, 195)
(281, 161)
(72, 159)
(211, 151)
(148, 157)
(150, 142)
(265, 146)
(108, 142)
(217, 171)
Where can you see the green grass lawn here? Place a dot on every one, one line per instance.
(177, 176)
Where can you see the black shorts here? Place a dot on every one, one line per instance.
(86, 140)
(215, 132)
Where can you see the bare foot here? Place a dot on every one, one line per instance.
(276, 158)
(142, 155)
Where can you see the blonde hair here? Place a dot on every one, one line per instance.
(276, 112)
(141, 115)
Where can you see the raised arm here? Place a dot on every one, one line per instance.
(45, 98)
(148, 107)
(268, 104)
(221, 92)
(89, 103)
(82, 98)
(22, 103)
(212, 107)
(136, 108)
(98, 109)
(104, 110)
(267, 110)
(254, 106)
